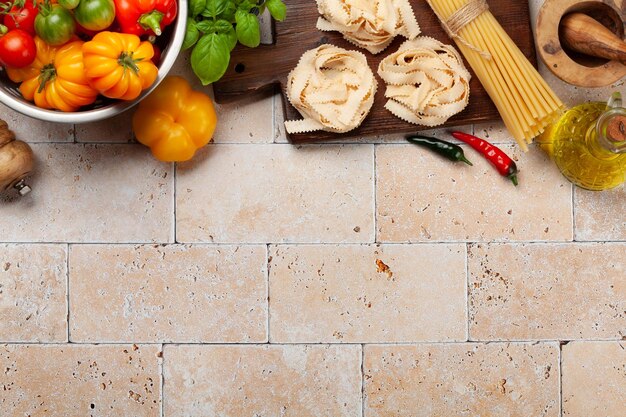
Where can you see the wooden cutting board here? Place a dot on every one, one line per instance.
(259, 69)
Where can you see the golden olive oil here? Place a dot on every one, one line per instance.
(581, 155)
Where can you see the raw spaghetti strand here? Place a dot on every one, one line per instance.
(525, 101)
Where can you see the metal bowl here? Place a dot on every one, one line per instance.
(102, 108)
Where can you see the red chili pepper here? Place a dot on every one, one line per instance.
(504, 164)
(141, 17)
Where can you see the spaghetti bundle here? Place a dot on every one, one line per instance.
(525, 101)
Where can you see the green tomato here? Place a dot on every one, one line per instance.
(95, 14)
(54, 25)
(69, 4)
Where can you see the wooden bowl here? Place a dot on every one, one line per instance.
(573, 68)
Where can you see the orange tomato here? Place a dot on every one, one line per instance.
(119, 65)
(56, 79)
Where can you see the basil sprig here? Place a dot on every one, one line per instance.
(215, 26)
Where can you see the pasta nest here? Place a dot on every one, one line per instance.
(370, 24)
(332, 88)
(427, 82)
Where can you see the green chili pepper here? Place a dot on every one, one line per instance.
(446, 149)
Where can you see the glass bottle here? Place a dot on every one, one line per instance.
(588, 144)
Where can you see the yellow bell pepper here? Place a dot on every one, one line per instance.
(174, 121)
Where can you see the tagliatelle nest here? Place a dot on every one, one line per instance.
(370, 24)
(332, 88)
(427, 82)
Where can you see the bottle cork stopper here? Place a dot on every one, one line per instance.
(616, 129)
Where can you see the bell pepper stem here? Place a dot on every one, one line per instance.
(151, 20)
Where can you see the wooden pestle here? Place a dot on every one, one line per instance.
(584, 34)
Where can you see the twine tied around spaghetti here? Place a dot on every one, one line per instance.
(461, 18)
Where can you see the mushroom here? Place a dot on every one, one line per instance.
(16, 161)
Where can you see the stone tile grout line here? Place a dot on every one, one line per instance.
(561, 379)
(67, 289)
(574, 237)
(362, 380)
(267, 290)
(467, 289)
(308, 343)
(161, 378)
(352, 243)
(375, 197)
(174, 170)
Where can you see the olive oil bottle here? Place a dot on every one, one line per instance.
(588, 144)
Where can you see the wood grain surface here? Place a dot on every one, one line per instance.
(259, 69)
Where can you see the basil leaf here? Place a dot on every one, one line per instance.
(229, 12)
(232, 38)
(277, 9)
(206, 26)
(223, 26)
(210, 57)
(191, 34)
(214, 8)
(248, 31)
(246, 6)
(196, 7)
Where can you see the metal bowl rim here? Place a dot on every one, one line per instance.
(168, 59)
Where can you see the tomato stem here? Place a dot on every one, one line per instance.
(3, 30)
(48, 73)
(151, 20)
(45, 8)
(126, 60)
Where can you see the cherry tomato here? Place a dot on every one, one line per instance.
(95, 14)
(54, 24)
(17, 49)
(22, 17)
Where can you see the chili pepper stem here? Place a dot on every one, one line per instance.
(151, 20)
(462, 158)
(513, 178)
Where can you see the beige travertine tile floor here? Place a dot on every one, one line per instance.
(264, 279)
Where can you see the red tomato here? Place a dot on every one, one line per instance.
(22, 17)
(17, 49)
